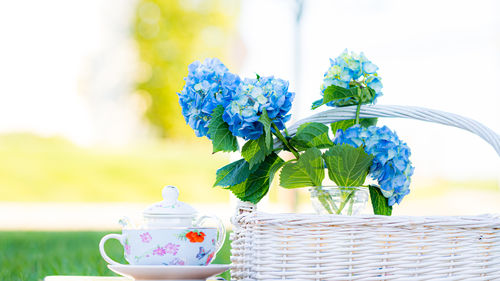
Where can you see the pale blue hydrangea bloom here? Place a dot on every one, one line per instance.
(208, 85)
(391, 164)
(352, 67)
(250, 100)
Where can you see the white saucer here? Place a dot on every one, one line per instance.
(168, 272)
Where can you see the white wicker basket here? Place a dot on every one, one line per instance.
(331, 247)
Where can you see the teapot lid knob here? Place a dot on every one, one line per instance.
(170, 194)
(170, 205)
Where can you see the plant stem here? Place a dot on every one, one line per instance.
(326, 200)
(323, 199)
(280, 136)
(358, 108)
(286, 132)
(351, 205)
(343, 203)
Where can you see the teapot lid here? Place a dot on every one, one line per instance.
(170, 206)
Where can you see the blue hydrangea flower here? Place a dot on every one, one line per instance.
(208, 85)
(348, 69)
(391, 164)
(249, 101)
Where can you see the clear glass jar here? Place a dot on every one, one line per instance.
(339, 200)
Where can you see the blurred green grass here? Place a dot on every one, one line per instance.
(35, 168)
(41, 169)
(33, 255)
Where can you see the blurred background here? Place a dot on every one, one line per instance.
(91, 129)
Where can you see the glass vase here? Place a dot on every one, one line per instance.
(339, 200)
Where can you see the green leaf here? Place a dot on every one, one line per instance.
(259, 182)
(347, 166)
(309, 170)
(344, 124)
(364, 95)
(333, 93)
(257, 185)
(367, 122)
(367, 95)
(266, 121)
(233, 173)
(292, 176)
(254, 151)
(312, 162)
(222, 138)
(380, 204)
(312, 135)
(238, 190)
(317, 104)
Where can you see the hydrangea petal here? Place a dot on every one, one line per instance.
(249, 101)
(208, 85)
(391, 164)
(349, 67)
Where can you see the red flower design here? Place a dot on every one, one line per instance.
(195, 236)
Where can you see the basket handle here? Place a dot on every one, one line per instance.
(392, 111)
(410, 112)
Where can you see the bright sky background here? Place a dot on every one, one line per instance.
(438, 54)
(64, 66)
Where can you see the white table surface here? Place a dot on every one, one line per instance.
(85, 278)
(93, 278)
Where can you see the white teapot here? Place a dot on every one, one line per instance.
(172, 212)
(171, 234)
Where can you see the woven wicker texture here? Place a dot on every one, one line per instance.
(331, 247)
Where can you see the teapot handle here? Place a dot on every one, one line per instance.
(118, 237)
(221, 229)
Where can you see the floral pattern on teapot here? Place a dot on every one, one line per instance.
(187, 239)
(171, 234)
